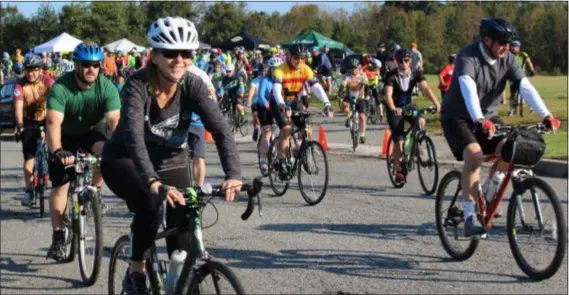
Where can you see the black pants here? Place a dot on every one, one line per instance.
(124, 181)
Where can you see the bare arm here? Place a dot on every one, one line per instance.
(53, 126)
(19, 111)
(251, 93)
(113, 120)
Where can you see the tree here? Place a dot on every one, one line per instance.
(73, 19)
(46, 24)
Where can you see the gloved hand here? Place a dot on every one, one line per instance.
(551, 123)
(64, 156)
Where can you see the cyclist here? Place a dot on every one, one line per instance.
(354, 81)
(287, 85)
(525, 63)
(147, 158)
(445, 76)
(399, 85)
(470, 107)
(258, 72)
(371, 70)
(264, 110)
(322, 68)
(30, 94)
(234, 85)
(382, 54)
(217, 80)
(83, 108)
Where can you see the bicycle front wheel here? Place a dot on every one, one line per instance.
(213, 277)
(70, 234)
(90, 240)
(118, 265)
(278, 185)
(355, 131)
(449, 214)
(427, 166)
(537, 231)
(313, 164)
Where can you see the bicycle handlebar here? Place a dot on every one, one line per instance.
(207, 190)
(502, 130)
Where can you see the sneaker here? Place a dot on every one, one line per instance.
(28, 199)
(283, 168)
(399, 176)
(264, 165)
(255, 134)
(473, 228)
(57, 249)
(362, 139)
(347, 124)
(134, 283)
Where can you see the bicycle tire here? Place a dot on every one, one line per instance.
(308, 147)
(373, 112)
(561, 233)
(243, 125)
(273, 173)
(191, 284)
(441, 226)
(71, 241)
(390, 168)
(90, 279)
(432, 161)
(259, 156)
(117, 252)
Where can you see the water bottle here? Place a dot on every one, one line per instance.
(408, 143)
(492, 185)
(176, 263)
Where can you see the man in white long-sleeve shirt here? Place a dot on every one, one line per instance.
(470, 108)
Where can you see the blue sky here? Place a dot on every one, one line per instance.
(29, 8)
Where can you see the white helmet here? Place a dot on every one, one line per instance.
(230, 67)
(376, 63)
(173, 33)
(274, 62)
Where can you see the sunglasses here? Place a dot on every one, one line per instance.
(406, 60)
(186, 54)
(298, 57)
(31, 69)
(87, 65)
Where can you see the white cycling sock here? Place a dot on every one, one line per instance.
(469, 208)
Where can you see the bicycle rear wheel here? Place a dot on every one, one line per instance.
(449, 214)
(313, 163)
(427, 166)
(118, 265)
(355, 131)
(537, 232)
(373, 111)
(90, 240)
(213, 277)
(278, 185)
(391, 171)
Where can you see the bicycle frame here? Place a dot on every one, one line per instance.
(488, 213)
(83, 177)
(40, 169)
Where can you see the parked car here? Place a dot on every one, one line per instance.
(7, 105)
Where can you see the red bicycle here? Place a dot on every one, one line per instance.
(534, 212)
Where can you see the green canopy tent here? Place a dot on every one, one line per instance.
(312, 38)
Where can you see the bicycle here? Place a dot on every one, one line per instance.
(554, 230)
(274, 134)
(40, 170)
(372, 109)
(234, 118)
(84, 202)
(304, 162)
(199, 264)
(413, 152)
(354, 123)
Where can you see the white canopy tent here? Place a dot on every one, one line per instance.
(61, 43)
(123, 45)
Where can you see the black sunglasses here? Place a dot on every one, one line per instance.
(503, 42)
(86, 65)
(174, 53)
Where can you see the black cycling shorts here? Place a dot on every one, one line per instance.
(397, 125)
(361, 104)
(29, 138)
(265, 116)
(196, 142)
(72, 143)
(254, 107)
(281, 117)
(459, 134)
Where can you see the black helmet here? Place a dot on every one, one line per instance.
(258, 69)
(34, 61)
(351, 63)
(451, 57)
(403, 53)
(393, 47)
(497, 29)
(380, 44)
(298, 49)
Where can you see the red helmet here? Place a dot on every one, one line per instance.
(367, 59)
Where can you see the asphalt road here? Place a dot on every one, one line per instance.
(365, 237)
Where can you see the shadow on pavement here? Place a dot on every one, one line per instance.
(377, 265)
(8, 278)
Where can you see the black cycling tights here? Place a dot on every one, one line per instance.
(124, 181)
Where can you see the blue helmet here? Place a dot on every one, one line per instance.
(516, 43)
(87, 51)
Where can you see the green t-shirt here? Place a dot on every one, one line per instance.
(131, 61)
(82, 109)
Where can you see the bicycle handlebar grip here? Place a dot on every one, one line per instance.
(253, 191)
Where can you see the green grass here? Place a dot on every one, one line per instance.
(553, 90)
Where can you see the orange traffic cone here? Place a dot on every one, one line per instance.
(208, 138)
(322, 138)
(386, 136)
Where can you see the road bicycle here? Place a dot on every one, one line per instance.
(419, 150)
(82, 220)
(260, 157)
(301, 160)
(528, 217)
(372, 109)
(354, 121)
(201, 273)
(237, 122)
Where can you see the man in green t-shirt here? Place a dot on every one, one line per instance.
(83, 109)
